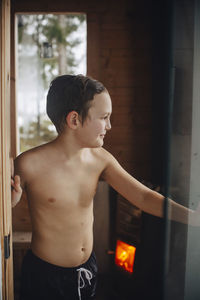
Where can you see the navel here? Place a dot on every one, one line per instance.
(52, 200)
(83, 249)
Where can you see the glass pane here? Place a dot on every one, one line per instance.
(183, 266)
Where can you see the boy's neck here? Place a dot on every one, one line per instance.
(67, 146)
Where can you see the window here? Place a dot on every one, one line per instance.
(48, 45)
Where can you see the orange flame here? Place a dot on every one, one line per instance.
(125, 256)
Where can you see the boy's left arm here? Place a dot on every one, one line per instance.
(141, 196)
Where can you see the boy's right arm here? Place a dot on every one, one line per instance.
(16, 189)
(141, 196)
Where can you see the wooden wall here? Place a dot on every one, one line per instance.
(125, 58)
(119, 45)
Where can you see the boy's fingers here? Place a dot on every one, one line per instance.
(15, 183)
(16, 188)
(17, 179)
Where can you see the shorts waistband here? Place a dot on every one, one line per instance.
(37, 260)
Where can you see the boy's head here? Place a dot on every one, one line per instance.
(71, 93)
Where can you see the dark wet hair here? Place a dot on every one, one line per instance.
(68, 93)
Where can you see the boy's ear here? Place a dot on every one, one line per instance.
(72, 119)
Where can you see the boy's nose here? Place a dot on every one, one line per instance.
(108, 125)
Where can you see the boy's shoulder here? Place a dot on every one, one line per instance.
(31, 160)
(100, 152)
(28, 159)
(103, 155)
(29, 153)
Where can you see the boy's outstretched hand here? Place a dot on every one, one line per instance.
(16, 190)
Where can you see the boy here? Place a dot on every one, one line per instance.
(60, 179)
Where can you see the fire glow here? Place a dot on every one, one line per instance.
(125, 256)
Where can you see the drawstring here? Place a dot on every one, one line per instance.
(81, 282)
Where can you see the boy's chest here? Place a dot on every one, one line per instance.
(62, 187)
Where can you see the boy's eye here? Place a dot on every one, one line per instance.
(105, 117)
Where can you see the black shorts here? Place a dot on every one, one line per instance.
(41, 280)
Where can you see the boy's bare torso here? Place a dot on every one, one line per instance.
(60, 195)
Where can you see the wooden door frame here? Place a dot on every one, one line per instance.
(5, 166)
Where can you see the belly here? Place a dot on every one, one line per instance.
(62, 239)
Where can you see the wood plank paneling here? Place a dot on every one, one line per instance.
(93, 45)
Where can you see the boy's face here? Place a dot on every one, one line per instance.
(97, 123)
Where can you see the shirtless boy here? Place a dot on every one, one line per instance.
(60, 179)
